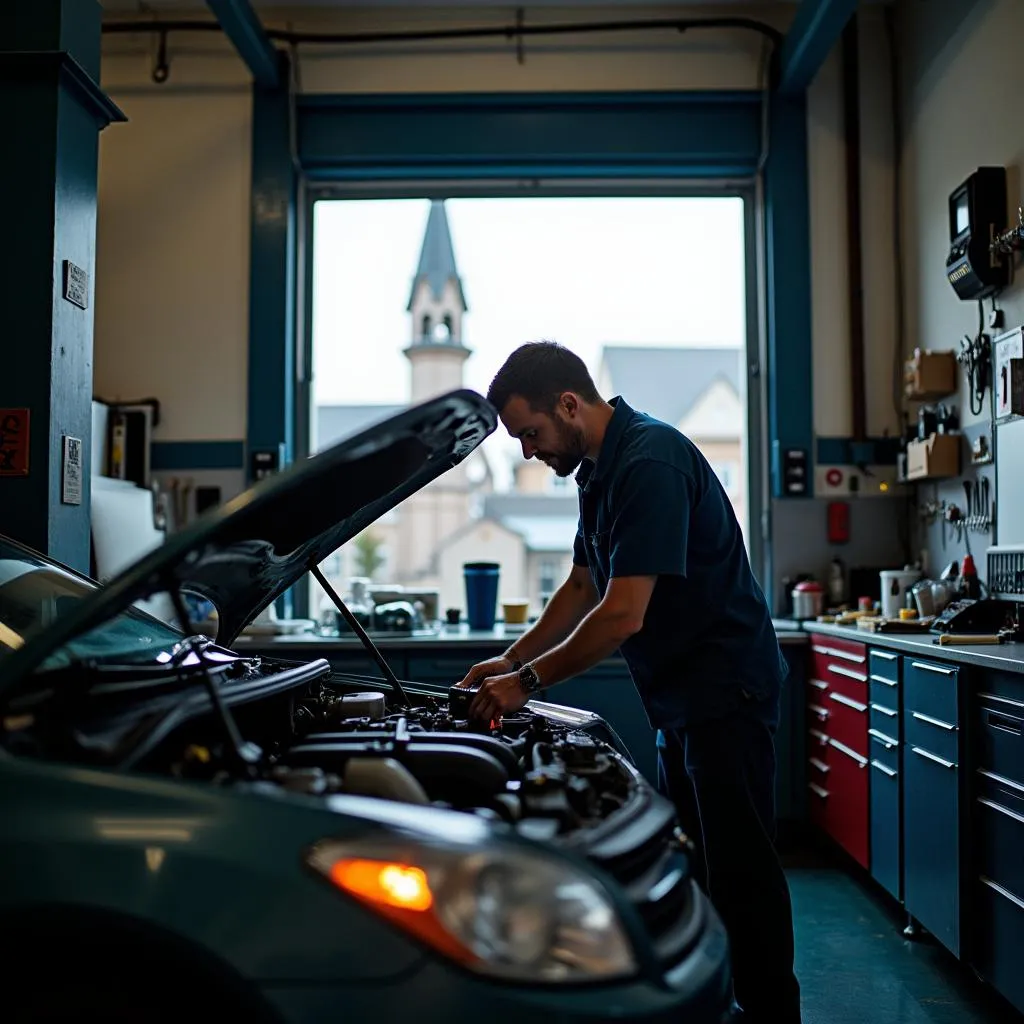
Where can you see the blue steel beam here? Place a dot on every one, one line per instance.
(243, 28)
(816, 28)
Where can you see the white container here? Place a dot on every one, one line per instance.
(895, 584)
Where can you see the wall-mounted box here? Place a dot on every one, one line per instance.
(935, 457)
(928, 375)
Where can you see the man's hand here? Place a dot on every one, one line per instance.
(492, 667)
(497, 696)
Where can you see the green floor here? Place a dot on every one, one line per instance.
(855, 967)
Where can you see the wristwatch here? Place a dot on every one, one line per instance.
(528, 679)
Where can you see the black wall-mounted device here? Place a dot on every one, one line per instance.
(977, 214)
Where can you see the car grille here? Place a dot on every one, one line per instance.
(655, 874)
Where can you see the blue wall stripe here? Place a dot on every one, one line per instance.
(815, 29)
(842, 451)
(197, 455)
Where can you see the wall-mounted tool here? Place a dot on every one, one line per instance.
(977, 214)
(976, 358)
(1012, 239)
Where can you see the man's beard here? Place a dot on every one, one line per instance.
(572, 447)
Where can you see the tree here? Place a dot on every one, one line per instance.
(368, 556)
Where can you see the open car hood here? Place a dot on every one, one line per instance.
(245, 554)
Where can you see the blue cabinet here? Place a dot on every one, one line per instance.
(997, 707)
(884, 736)
(931, 798)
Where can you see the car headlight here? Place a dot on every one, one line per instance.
(499, 911)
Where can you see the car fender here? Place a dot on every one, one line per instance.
(220, 868)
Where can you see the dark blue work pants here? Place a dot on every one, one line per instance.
(720, 774)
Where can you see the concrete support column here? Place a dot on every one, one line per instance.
(54, 110)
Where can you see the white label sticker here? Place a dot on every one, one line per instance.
(72, 490)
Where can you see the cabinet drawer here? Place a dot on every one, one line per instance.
(885, 827)
(884, 748)
(848, 722)
(848, 803)
(884, 692)
(999, 939)
(845, 679)
(852, 651)
(932, 734)
(999, 835)
(884, 665)
(884, 718)
(1000, 735)
(931, 845)
(930, 688)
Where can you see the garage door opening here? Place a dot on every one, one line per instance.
(413, 297)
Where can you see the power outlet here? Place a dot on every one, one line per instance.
(848, 481)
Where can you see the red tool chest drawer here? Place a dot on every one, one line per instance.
(838, 720)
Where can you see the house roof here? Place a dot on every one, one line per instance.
(503, 505)
(544, 533)
(437, 257)
(666, 383)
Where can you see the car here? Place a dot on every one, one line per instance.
(192, 831)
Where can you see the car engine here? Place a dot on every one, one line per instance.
(542, 776)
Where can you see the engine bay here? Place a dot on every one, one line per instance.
(543, 776)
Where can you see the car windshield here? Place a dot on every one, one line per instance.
(35, 592)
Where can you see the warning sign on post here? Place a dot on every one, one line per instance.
(13, 442)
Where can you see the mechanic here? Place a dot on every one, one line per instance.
(660, 571)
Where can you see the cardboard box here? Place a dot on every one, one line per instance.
(929, 375)
(937, 456)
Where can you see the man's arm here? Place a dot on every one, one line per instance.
(566, 609)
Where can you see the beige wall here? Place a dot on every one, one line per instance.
(485, 541)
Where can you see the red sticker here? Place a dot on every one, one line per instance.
(834, 477)
(13, 442)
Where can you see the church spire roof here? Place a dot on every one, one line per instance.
(437, 257)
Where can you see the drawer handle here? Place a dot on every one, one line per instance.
(820, 765)
(817, 790)
(883, 768)
(881, 709)
(933, 668)
(843, 749)
(1001, 700)
(934, 721)
(848, 672)
(996, 887)
(882, 680)
(1004, 723)
(884, 655)
(1001, 809)
(1001, 780)
(887, 741)
(834, 652)
(842, 699)
(819, 711)
(933, 757)
(817, 684)
(819, 736)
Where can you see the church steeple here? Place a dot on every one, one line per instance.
(436, 305)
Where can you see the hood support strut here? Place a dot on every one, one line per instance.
(357, 628)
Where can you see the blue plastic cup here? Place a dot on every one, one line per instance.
(481, 593)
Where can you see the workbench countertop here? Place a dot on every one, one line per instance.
(447, 636)
(1007, 657)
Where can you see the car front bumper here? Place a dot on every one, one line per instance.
(697, 990)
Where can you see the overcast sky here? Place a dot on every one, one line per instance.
(584, 272)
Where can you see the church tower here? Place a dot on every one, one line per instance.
(436, 306)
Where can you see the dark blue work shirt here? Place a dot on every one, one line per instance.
(652, 506)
